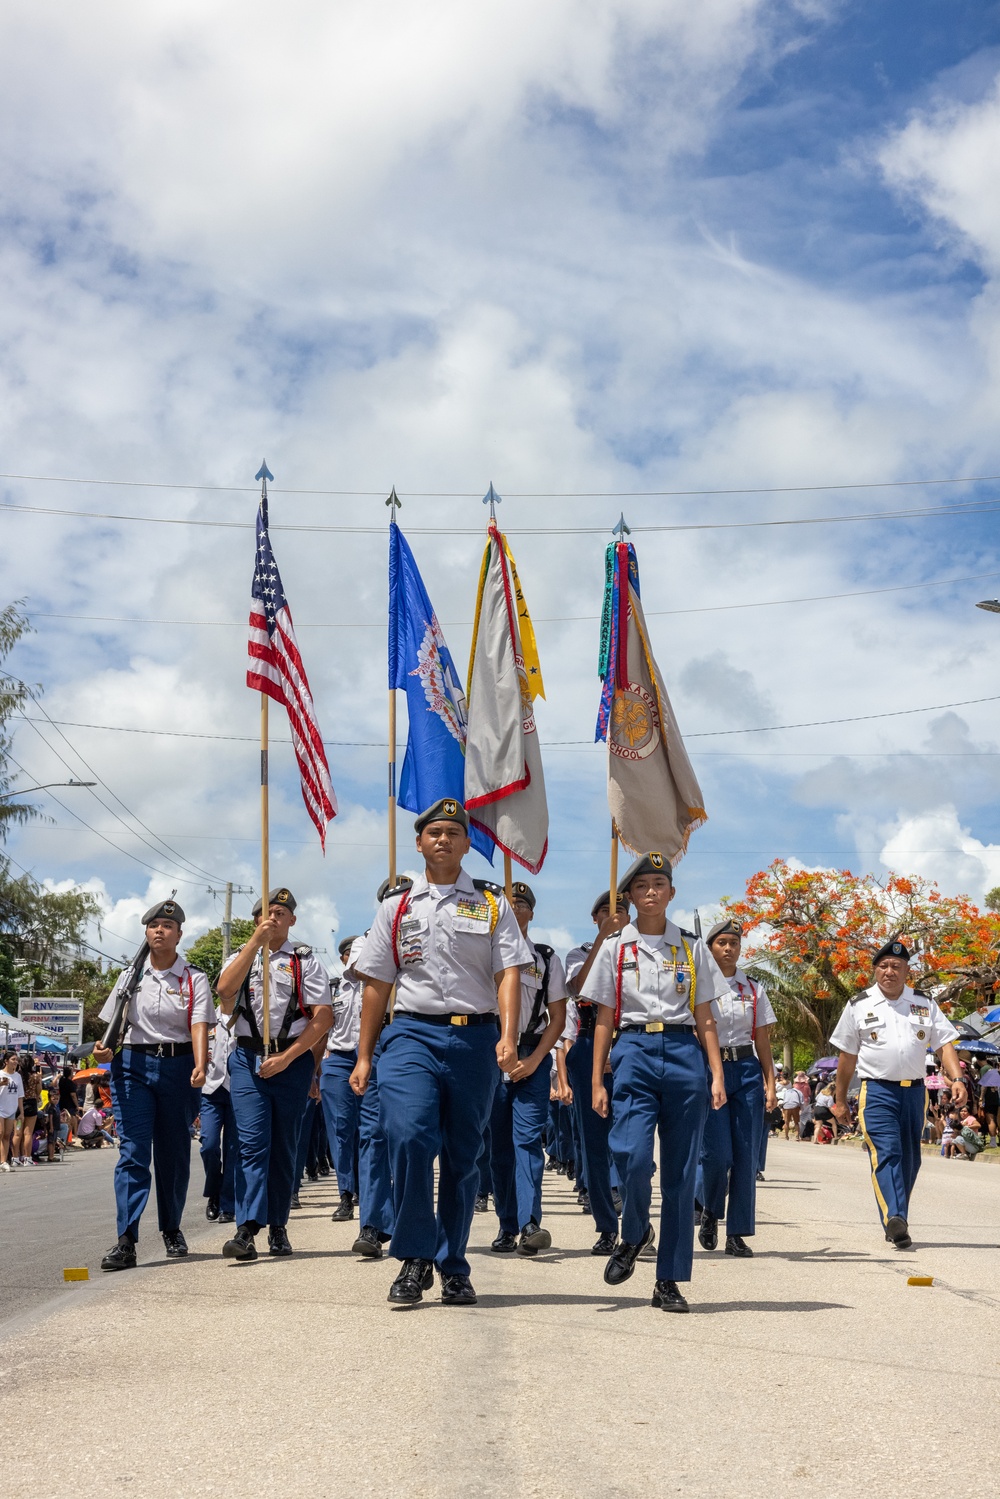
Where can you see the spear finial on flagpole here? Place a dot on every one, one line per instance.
(492, 499)
(394, 503)
(621, 530)
(262, 475)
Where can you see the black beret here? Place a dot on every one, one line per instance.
(168, 909)
(893, 949)
(646, 864)
(605, 900)
(724, 928)
(445, 810)
(346, 942)
(521, 891)
(403, 883)
(279, 897)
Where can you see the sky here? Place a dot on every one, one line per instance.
(730, 270)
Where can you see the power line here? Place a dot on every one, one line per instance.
(513, 494)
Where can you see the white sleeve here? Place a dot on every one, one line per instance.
(601, 988)
(203, 1009)
(376, 959)
(845, 1035)
(557, 979)
(315, 983)
(765, 1010)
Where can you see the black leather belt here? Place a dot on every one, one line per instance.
(449, 1019)
(736, 1053)
(653, 1027)
(896, 1082)
(257, 1047)
(162, 1048)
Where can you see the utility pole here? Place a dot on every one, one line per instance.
(227, 919)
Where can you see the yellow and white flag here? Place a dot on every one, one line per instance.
(504, 783)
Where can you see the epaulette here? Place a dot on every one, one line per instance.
(490, 885)
(691, 936)
(861, 994)
(545, 950)
(198, 968)
(302, 950)
(397, 890)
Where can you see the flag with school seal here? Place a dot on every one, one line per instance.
(504, 783)
(653, 794)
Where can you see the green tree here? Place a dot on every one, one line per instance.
(992, 901)
(13, 695)
(206, 952)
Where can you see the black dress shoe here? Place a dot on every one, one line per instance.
(212, 1210)
(648, 1251)
(605, 1244)
(367, 1243)
(176, 1244)
(667, 1297)
(295, 1200)
(277, 1241)
(313, 1176)
(533, 1239)
(760, 1176)
(323, 1169)
(708, 1233)
(482, 1202)
(550, 1164)
(897, 1232)
(416, 1277)
(738, 1247)
(504, 1243)
(227, 1217)
(622, 1262)
(241, 1246)
(616, 1198)
(457, 1290)
(344, 1212)
(122, 1257)
(583, 1198)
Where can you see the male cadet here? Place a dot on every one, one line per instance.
(885, 1032)
(521, 1102)
(454, 953)
(592, 1129)
(269, 1091)
(220, 1146)
(341, 1105)
(156, 1081)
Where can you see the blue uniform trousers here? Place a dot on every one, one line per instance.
(268, 1115)
(435, 1085)
(593, 1134)
(485, 1169)
(731, 1147)
(220, 1148)
(517, 1159)
(765, 1135)
(342, 1108)
(306, 1124)
(374, 1177)
(661, 1086)
(154, 1108)
(892, 1121)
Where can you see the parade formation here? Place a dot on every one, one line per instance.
(453, 1049)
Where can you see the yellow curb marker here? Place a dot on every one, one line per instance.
(83, 1274)
(920, 1280)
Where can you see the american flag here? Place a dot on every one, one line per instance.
(276, 668)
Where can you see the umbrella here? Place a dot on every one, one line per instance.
(978, 1048)
(992, 1017)
(969, 1032)
(89, 1073)
(825, 1064)
(78, 1052)
(990, 1079)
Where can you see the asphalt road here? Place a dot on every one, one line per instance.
(813, 1368)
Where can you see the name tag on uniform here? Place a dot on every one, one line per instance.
(471, 916)
(632, 963)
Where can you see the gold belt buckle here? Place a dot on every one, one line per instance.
(459, 1019)
(906, 1082)
(654, 1026)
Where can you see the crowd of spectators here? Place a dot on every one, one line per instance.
(45, 1110)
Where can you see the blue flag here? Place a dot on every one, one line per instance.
(420, 665)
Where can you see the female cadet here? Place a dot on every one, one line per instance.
(156, 1081)
(732, 1134)
(656, 988)
(521, 1102)
(454, 953)
(269, 1092)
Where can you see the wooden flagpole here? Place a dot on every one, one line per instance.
(613, 882)
(508, 880)
(265, 870)
(394, 503)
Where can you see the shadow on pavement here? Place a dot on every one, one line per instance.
(771, 1306)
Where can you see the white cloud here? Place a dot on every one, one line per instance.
(936, 845)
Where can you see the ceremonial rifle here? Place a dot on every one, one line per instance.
(118, 1023)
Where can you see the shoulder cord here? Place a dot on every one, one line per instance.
(635, 954)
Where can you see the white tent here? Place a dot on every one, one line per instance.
(24, 1033)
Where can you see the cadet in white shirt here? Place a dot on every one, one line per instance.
(156, 1081)
(885, 1032)
(657, 989)
(732, 1134)
(454, 953)
(220, 1146)
(341, 1105)
(269, 1092)
(521, 1102)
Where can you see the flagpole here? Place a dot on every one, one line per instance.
(613, 882)
(394, 503)
(265, 870)
(508, 879)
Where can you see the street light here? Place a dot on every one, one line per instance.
(49, 785)
(991, 605)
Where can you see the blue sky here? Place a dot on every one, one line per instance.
(578, 250)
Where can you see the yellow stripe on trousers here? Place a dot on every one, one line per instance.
(883, 1206)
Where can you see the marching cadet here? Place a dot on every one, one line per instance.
(269, 1091)
(341, 1105)
(655, 988)
(593, 1130)
(454, 953)
(220, 1146)
(374, 1177)
(885, 1032)
(521, 1102)
(156, 1082)
(731, 1145)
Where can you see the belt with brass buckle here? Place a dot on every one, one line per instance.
(736, 1053)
